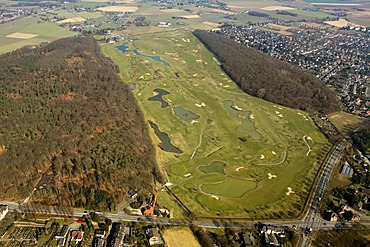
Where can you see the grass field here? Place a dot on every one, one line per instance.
(344, 121)
(196, 83)
(180, 237)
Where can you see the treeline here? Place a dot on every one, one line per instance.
(69, 124)
(268, 78)
(361, 139)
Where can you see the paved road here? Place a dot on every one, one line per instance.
(312, 220)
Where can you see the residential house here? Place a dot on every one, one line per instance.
(154, 236)
(4, 209)
(62, 235)
(77, 236)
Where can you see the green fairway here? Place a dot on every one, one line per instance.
(230, 187)
(220, 156)
(216, 166)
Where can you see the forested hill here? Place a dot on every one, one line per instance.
(266, 77)
(66, 118)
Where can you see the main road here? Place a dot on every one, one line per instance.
(313, 221)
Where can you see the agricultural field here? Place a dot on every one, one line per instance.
(29, 31)
(180, 237)
(226, 153)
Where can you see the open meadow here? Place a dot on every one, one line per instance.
(226, 153)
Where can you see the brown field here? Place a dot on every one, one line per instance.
(276, 7)
(237, 7)
(190, 16)
(219, 11)
(282, 29)
(341, 23)
(155, 30)
(212, 24)
(118, 9)
(172, 10)
(105, 1)
(22, 35)
(311, 24)
(180, 237)
(2, 149)
(74, 19)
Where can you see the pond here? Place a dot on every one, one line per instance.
(247, 125)
(184, 114)
(124, 49)
(160, 92)
(231, 187)
(215, 166)
(165, 140)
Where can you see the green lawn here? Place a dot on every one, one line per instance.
(231, 187)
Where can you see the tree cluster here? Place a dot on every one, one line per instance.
(268, 78)
(361, 139)
(70, 127)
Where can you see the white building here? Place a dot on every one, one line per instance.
(4, 209)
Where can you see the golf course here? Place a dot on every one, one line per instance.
(225, 152)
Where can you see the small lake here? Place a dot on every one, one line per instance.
(215, 166)
(160, 92)
(124, 49)
(184, 114)
(165, 144)
(247, 126)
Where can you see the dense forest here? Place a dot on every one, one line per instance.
(361, 139)
(71, 128)
(268, 78)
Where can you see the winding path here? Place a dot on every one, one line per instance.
(309, 148)
(200, 143)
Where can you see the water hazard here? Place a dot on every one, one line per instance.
(165, 144)
(124, 49)
(184, 114)
(160, 92)
(247, 126)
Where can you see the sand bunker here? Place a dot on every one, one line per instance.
(271, 176)
(251, 116)
(226, 86)
(262, 157)
(193, 121)
(69, 20)
(187, 175)
(273, 152)
(237, 108)
(22, 35)
(280, 115)
(290, 191)
(200, 105)
(118, 9)
(239, 168)
(276, 7)
(216, 197)
(168, 184)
